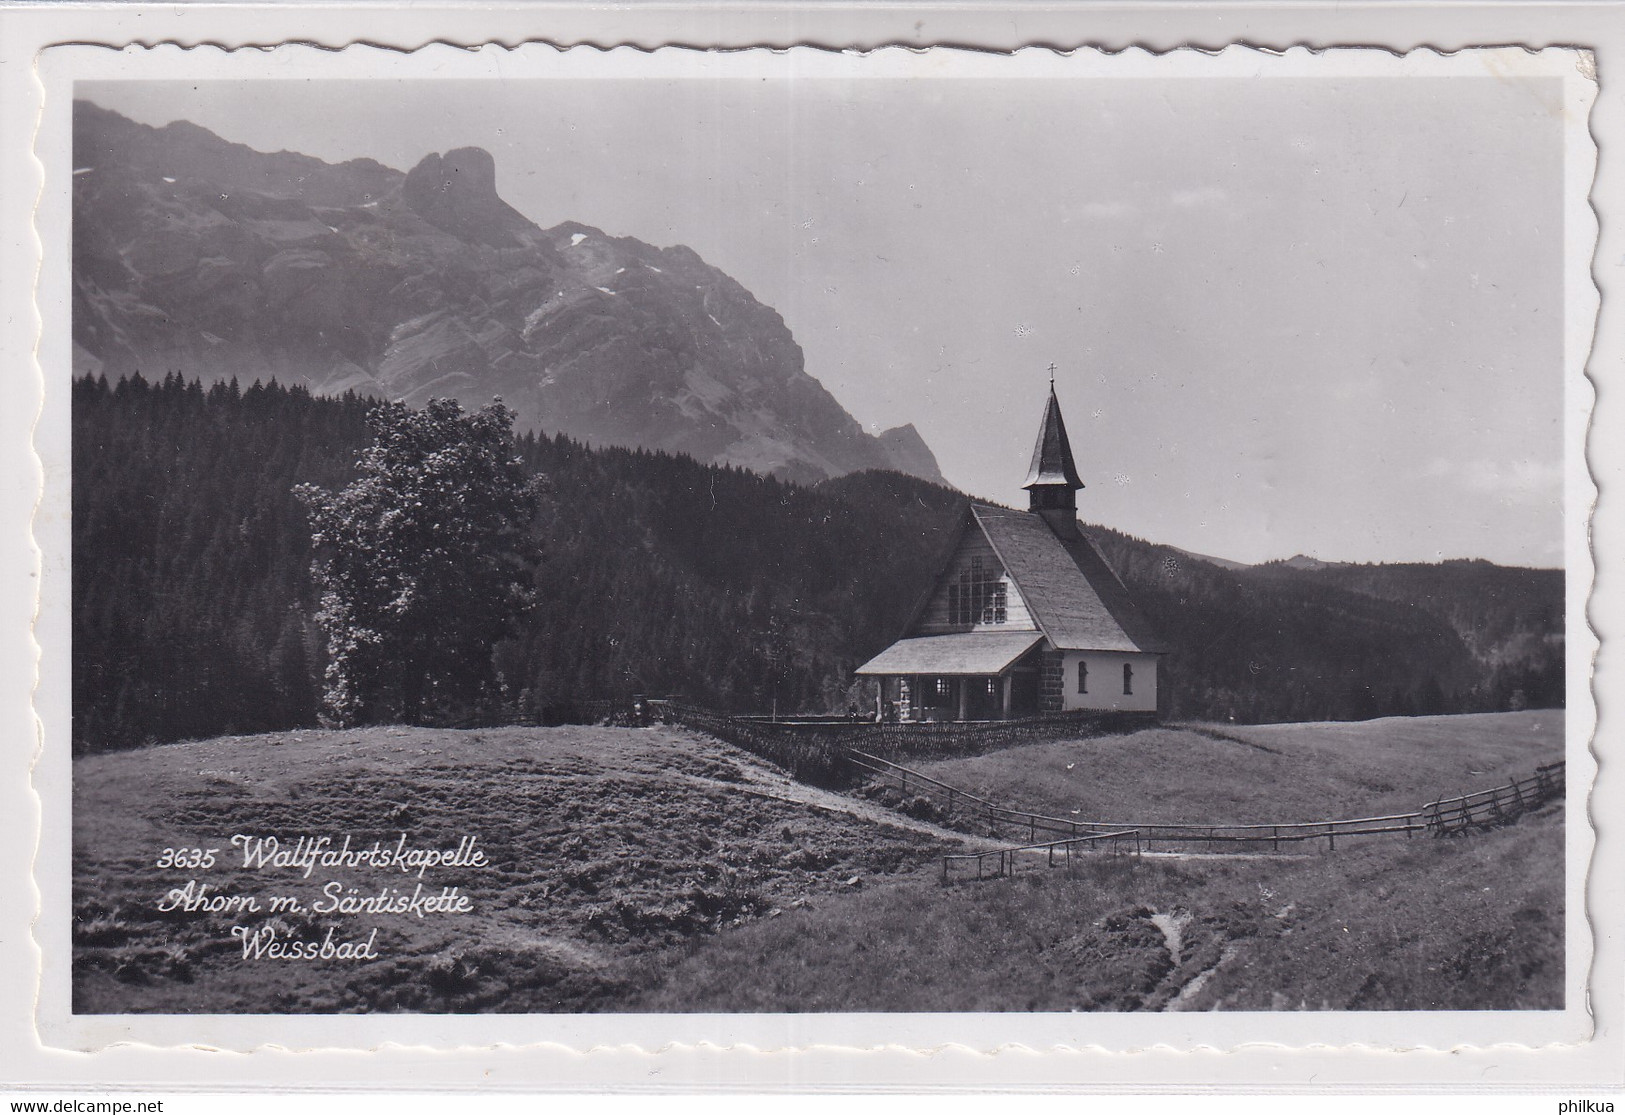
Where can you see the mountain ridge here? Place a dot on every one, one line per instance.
(204, 257)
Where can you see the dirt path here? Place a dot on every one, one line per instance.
(763, 783)
(1173, 925)
(1188, 993)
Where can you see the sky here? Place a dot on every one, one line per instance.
(1295, 315)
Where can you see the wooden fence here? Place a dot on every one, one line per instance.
(1448, 816)
(829, 753)
(1116, 842)
(1486, 808)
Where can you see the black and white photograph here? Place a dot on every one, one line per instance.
(805, 534)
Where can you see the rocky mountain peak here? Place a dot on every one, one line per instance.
(910, 453)
(196, 255)
(457, 193)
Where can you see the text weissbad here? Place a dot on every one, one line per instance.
(307, 853)
(264, 944)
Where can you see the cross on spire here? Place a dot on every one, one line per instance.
(1052, 373)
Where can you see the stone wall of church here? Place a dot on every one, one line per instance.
(1051, 681)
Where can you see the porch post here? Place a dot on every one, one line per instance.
(880, 700)
(964, 689)
(1004, 696)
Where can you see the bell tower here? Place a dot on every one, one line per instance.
(1052, 480)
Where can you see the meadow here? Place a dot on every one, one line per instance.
(1470, 924)
(659, 869)
(602, 844)
(1263, 774)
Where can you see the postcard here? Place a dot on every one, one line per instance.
(803, 548)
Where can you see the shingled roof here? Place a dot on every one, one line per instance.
(1074, 596)
(1052, 453)
(974, 653)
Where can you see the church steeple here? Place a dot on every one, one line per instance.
(1052, 480)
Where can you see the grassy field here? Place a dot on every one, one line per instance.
(604, 844)
(1421, 925)
(1275, 773)
(657, 869)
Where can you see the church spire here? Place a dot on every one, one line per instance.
(1052, 480)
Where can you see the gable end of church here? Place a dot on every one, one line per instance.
(1025, 617)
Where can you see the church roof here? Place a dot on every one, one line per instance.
(1052, 454)
(971, 652)
(1073, 595)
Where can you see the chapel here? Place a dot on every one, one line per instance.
(1026, 617)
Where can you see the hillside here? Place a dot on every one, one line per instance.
(1273, 773)
(1516, 635)
(206, 258)
(1289, 641)
(660, 870)
(192, 598)
(604, 846)
(1421, 925)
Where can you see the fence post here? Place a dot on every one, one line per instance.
(1275, 838)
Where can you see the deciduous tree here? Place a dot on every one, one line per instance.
(423, 562)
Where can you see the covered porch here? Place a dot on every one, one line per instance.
(962, 677)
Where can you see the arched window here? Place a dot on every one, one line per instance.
(1083, 676)
(1128, 679)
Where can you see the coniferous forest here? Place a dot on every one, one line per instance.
(194, 603)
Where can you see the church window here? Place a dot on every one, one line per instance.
(977, 595)
(1128, 679)
(1083, 677)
